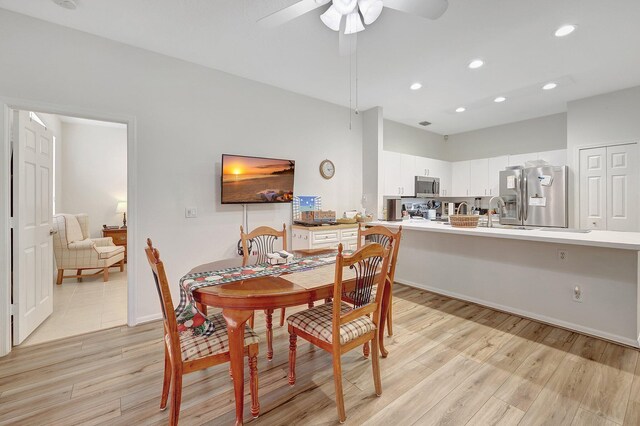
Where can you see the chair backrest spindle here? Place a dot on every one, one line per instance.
(261, 241)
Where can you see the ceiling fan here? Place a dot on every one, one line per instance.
(356, 14)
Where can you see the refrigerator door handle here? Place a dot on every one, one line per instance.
(519, 201)
(525, 200)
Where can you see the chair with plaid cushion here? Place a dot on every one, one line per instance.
(185, 352)
(255, 246)
(338, 327)
(380, 234)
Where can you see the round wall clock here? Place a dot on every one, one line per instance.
(327, 169)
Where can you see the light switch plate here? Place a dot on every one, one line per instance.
(191, 212)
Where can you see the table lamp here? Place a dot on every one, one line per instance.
(122, 208)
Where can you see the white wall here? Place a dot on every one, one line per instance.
(535, 135)
(399, 137)
(599, 120)
(93, 170)
(186, 117)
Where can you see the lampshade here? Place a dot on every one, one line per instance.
(353, 24)
(331, 18)
(121, 207)
(370, 10)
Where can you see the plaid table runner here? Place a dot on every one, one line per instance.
(189, 317)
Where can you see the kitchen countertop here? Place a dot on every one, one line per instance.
(327, 227)
(609, 239)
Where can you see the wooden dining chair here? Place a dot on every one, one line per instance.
(382, 235)
(185, 353)
(338, 327)
(258, 243)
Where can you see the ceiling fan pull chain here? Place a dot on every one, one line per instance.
(356, 54)
(350, 81)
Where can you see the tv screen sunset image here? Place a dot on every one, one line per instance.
(256, 180)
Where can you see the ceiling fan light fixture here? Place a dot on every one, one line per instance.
(353, 24)
(370, 10)
(345, 7)
(331, 18)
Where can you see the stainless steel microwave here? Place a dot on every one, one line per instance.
(427, 186)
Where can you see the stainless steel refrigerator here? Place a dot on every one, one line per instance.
(535, 196)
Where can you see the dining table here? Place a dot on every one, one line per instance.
(239, 299)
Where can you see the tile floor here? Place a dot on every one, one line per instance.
(84, 307)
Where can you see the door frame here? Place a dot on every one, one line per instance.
(8, 104)
(576, 173)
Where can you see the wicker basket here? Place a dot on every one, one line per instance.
(464, 220)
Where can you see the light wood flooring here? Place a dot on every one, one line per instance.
(450, 363)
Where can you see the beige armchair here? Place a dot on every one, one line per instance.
(74, 249)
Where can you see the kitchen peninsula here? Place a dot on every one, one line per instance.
(586, 282)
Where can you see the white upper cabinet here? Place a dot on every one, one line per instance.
(392, 180)
(424, 166)
(460, 178)
(479, 177)
(442, 170)
(496, 165)
(473, 178)
(408, 175)
(399, 173)
(555, 158)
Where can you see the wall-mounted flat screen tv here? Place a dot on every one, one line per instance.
(256, 180)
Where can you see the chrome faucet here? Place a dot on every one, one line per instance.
(501, 205)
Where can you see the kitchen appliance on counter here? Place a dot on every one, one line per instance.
(427, 187)
(427, 210)
(535, 196)
(393, 209)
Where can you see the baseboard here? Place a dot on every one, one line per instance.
(147, 318)
(526, 314)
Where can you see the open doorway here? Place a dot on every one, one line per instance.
(88, 204)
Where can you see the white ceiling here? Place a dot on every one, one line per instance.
(514, 37)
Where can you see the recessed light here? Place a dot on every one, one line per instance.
(461, 109)
(500, 99)
(67, 4)
(476, 63)
(549, 86)
(415, 86)
(565, 30)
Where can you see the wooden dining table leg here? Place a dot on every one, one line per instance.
(268, 314)
(235, 320)
(383, 318)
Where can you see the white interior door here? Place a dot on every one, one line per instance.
(622, 187)
(32, 242)
(593, 188)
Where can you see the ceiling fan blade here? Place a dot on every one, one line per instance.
(430, 9)
(289, 13)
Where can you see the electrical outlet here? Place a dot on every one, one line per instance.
(190, 212)
(578, 294)
(563, 255)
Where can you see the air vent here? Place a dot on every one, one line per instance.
(424, 123)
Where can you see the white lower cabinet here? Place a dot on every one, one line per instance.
(323, 237)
